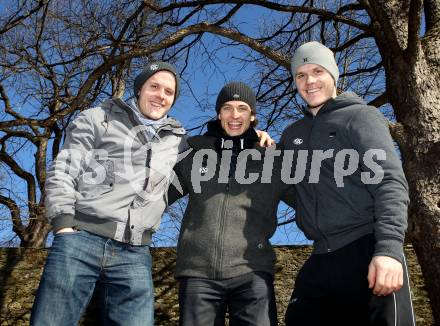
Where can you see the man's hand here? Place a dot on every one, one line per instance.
(385, 275)
(265, 139)
(65, 230)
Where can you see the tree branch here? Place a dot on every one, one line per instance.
(169, 41)
(17, 20)
(349, 7)
(17, 133)
(351, 42)
(414, 18)
(40, 162)
(182, 21)
(7, 102)
(17, 225)
(228, 15)
(277, 57)
(125, 27)
(290, 220)
(327, 15)
(21, 122)
(432, 17)
(380, 100)
(28, 177)
(361, 71)
(382, 26)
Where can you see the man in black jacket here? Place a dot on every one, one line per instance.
(352, 203)
(225, 261)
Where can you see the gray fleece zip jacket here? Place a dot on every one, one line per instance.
(111, 178)
(360, 187)
(227, 224)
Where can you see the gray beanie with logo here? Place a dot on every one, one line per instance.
(150, 70)
(236, 91)
(317, 53)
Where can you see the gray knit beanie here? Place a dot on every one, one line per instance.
(317, 53)
(236, 91)
(150, 70)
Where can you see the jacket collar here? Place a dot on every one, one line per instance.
(119, 106)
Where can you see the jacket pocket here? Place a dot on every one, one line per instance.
(97, 179)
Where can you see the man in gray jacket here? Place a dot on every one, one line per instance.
(225, 261)
(352, 204)
(105, 195)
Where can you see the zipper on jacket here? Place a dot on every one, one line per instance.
(315, 195)
(218, 252)
(144, 140)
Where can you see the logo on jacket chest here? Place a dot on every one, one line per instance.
(203, 170)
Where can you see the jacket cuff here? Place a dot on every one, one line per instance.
(391, 248)
(62, 221)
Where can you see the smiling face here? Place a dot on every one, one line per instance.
(157, 95)
(315, 85)
(235, 117)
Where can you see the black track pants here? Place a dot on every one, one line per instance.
(332, 289)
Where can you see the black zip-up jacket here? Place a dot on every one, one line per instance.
(227, 225)
(333, 209)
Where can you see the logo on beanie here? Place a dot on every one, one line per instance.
(154, 67)
(298, 141)
(236, 96)
(306, 59)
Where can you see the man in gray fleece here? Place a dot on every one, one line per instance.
(225, 261)
(352, 204)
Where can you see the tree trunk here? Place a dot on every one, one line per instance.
(413, 82)
(421, 157)
(35, 234)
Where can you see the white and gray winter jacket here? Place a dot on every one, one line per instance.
(111, 178)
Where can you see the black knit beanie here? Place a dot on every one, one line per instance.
(236, 91)
(150, 70)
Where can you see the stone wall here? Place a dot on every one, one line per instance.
(20, 271)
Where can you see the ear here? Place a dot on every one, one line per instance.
(218, 116)
(252, 117)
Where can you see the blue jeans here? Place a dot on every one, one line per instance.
(76, 263)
